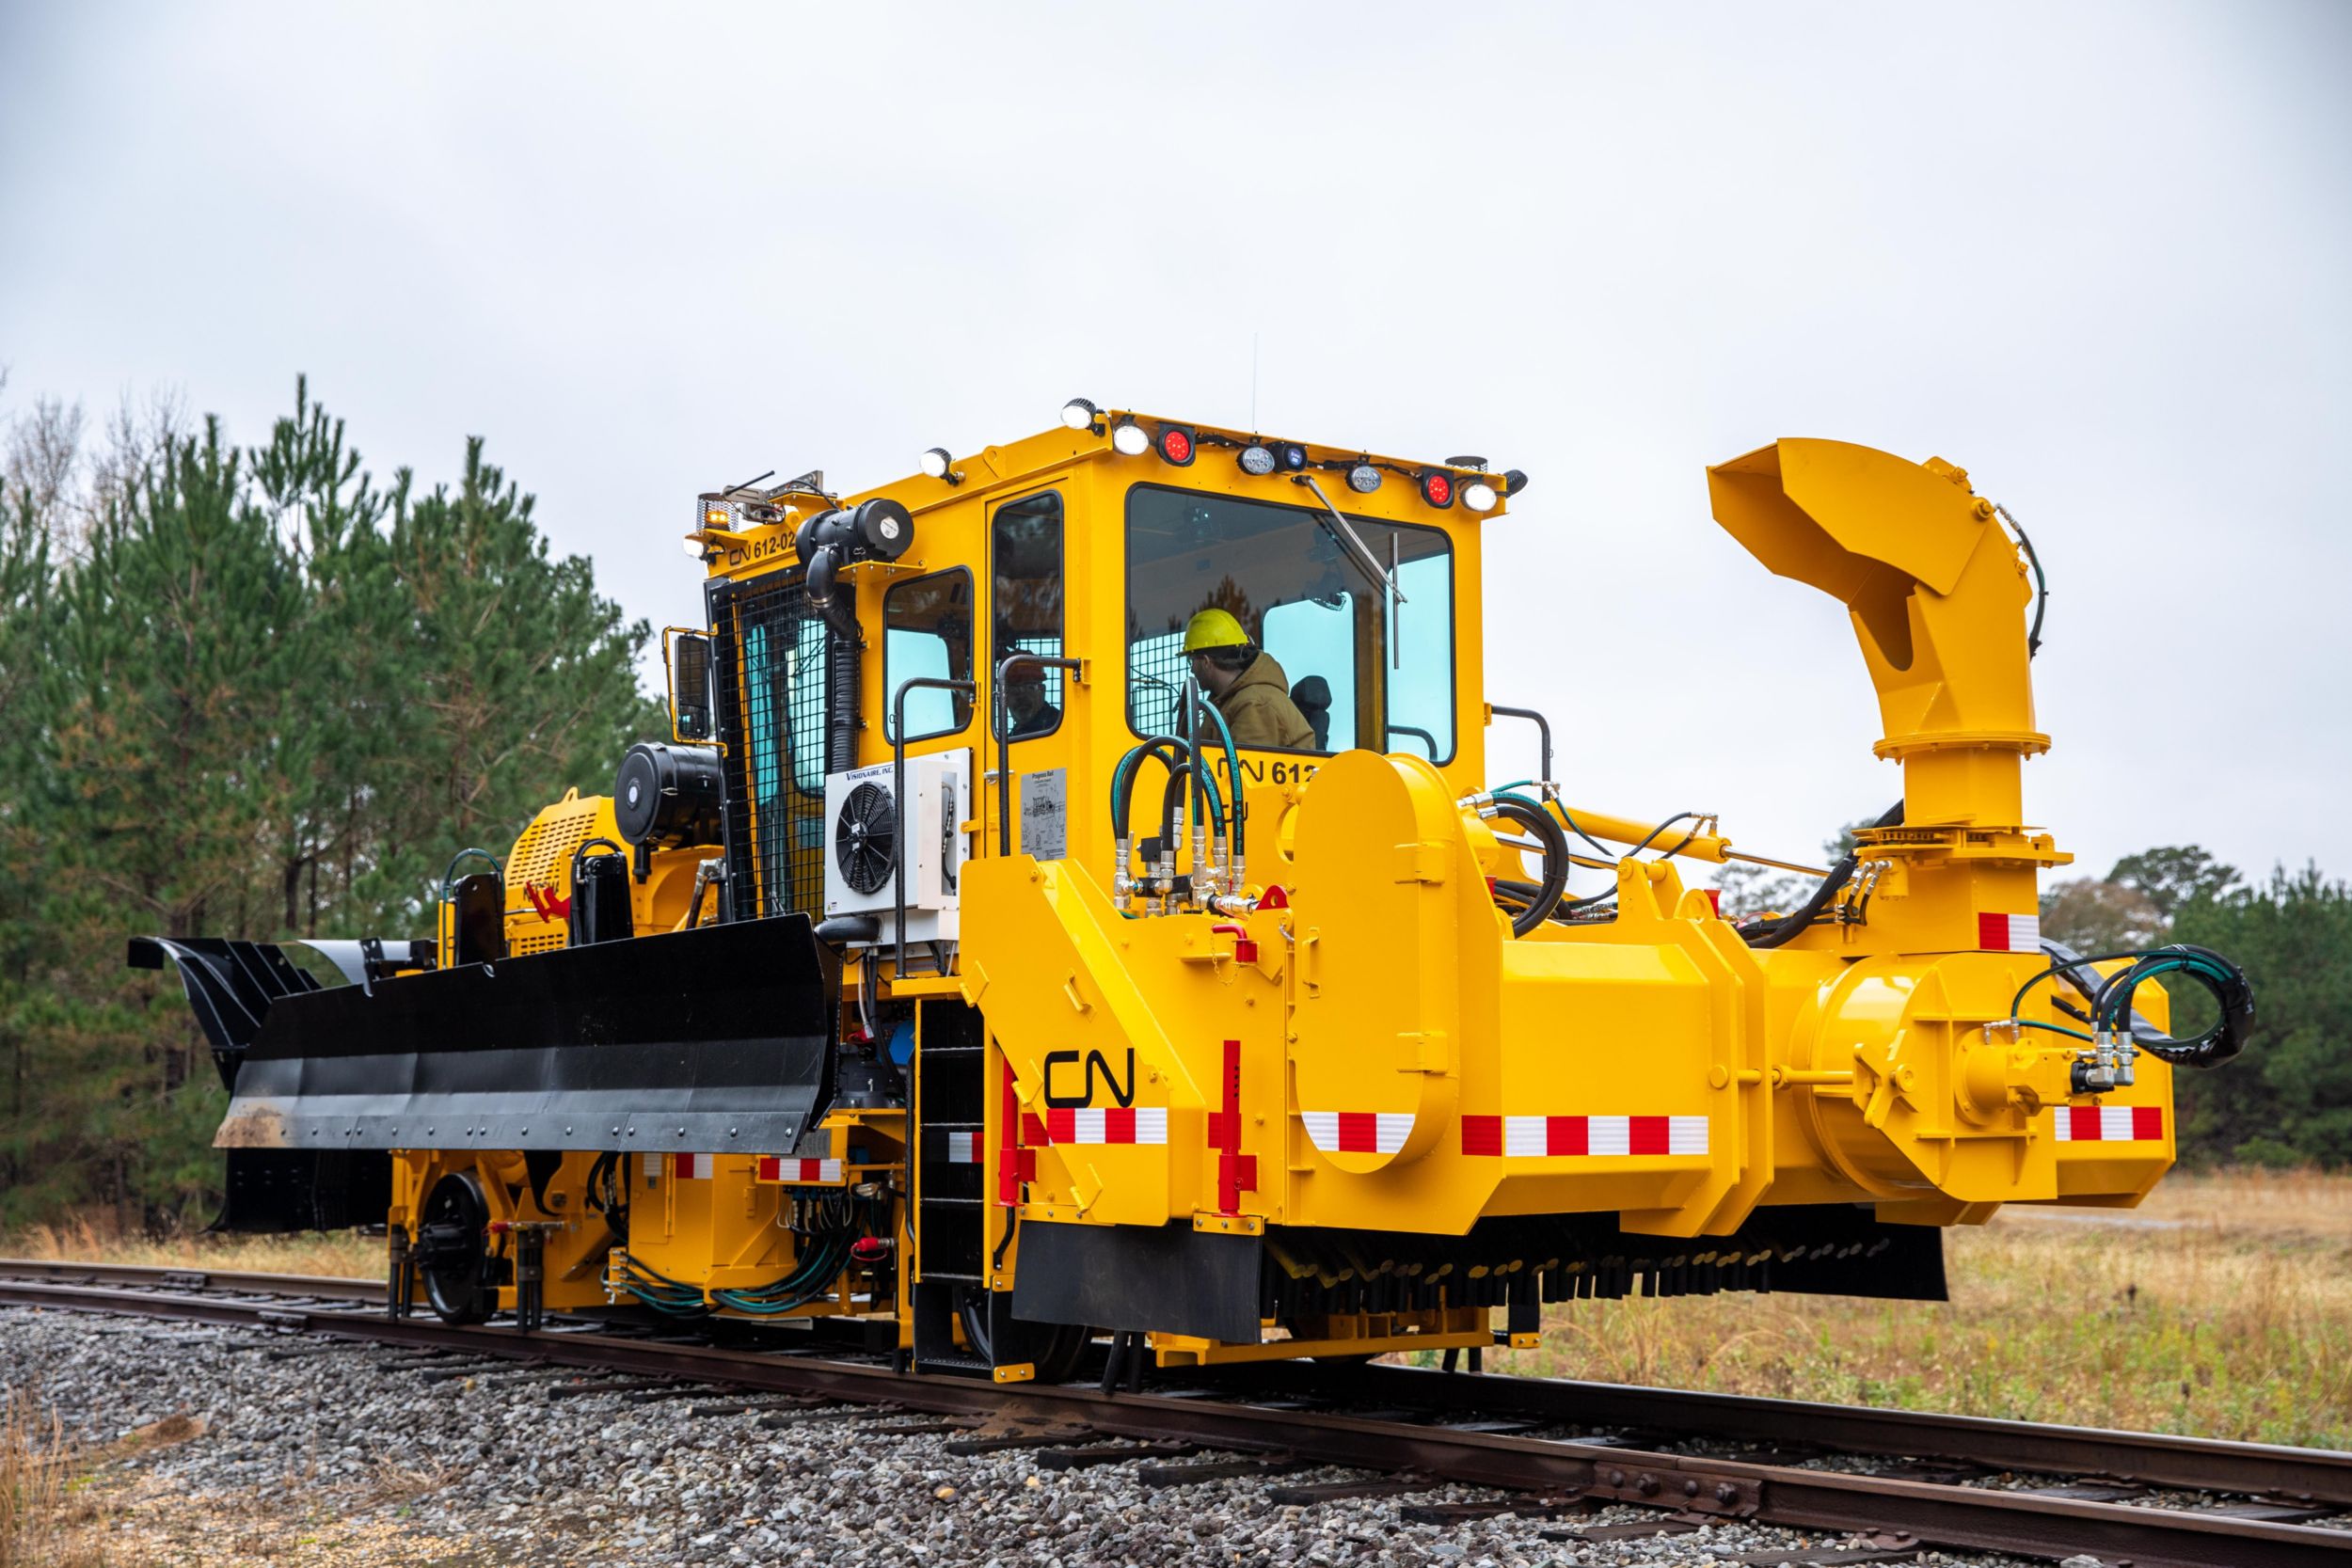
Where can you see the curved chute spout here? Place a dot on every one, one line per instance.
(1938, 595)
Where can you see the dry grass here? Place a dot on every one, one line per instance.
(45, 1521)
(345, 1253)
(2222, 1307)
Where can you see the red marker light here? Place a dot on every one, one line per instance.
(1436, 488)
(1176, 445)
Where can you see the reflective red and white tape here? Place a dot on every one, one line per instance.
(2108, 1124)
(1107, 1124)
(782, 1168)
(2009, 933)
(963, 1149)
(1546, 1136)
(1357, 1131)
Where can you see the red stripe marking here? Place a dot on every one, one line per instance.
(2147, 1122)
(1032, 1130)
(1646, 1136)
(1360, 1133)
(2085, 1126)
(1225, 1135)
(681, 1165)
(1119, 1124)
(771, 1168)
(1482, 1134)
(1567, 1135)
(1009, 1143)
(1992, 933)
(1061, 1126)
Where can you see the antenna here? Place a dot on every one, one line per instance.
(1253, 383)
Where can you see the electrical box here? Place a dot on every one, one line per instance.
(868, 831)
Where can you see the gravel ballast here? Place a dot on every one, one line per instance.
(303, 1450)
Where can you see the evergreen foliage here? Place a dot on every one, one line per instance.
(251, 693)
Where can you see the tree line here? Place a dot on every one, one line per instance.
(249, 691)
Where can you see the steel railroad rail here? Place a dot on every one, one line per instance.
(1294, 1421)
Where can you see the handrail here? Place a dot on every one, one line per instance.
(1543, 726)
(998, 713)
(898, 792)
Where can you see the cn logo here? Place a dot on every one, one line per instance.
(1123, 1093)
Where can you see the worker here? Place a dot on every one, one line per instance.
(1246, 685)
(1026, 705)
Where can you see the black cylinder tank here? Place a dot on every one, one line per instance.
(600, 910)
(666, 797)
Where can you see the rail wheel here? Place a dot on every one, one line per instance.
(452, 1251)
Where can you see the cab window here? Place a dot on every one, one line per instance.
(927, 630)
(1025, 543)
(1362, 670)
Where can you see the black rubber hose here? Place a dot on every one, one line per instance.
(1171, 752)
(1786, 928)
(1541, 823)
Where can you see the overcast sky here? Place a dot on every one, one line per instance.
(2101, 256)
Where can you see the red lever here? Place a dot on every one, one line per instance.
(1245, 950)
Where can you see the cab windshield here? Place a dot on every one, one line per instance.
(1362, 671)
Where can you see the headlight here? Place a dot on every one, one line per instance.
(1130, 439)
(1256, 459)
(1363, 479)
(938, 463)
(1478, 495)
(1078, 414)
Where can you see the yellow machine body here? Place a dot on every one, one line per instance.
(1347, 1053)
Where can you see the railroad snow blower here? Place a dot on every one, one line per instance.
(1072, 902)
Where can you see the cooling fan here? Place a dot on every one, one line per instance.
(865, 838)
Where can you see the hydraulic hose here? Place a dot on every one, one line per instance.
(1533, 817)
(1777, 933)
(2111, 1001)
(1172, 753)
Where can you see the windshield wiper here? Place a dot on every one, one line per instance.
(1340, 529)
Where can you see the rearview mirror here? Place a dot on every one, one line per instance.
(688, 655)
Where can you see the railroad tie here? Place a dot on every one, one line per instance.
(1080, 1459)
(1218, 1470)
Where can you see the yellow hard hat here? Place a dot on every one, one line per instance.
(1212, 628)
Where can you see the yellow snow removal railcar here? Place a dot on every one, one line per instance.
(1074, 901)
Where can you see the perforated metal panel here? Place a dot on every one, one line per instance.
(770, 679)
(542, 859)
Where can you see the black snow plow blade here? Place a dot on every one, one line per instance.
(697, 1040)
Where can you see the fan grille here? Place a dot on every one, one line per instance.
(865, 838)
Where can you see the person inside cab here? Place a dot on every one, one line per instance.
(1246, 684)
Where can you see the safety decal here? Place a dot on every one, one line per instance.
(1107, 1124)
(774, 1169)
(1535, 1136)
(2009, 933)
(963, 1149)
(697, 1166)
(1357, 1131)
(2089, 1124)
